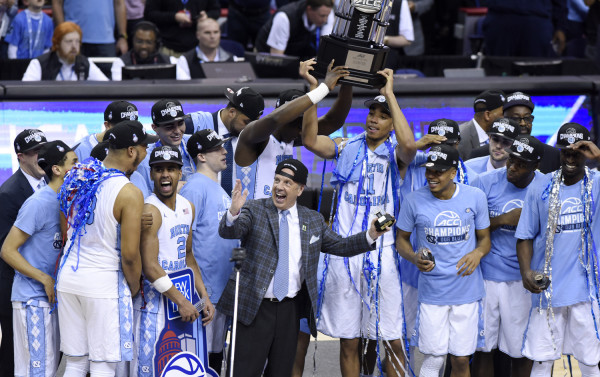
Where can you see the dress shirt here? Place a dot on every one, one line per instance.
(35, 183)
(481, 134)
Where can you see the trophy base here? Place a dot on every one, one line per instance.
(362, 62)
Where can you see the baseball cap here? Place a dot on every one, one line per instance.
(379, 100)
(118, 111)
(287, 96)
(203, 141)
(300, 171)
(492, 99)
(447, 128)
(570, 133)
(528, 148)
(129, 133)
(165, 153)
(100, 151)
(52, 153)
(518, 99)
(28, 139)
(505, 127)
(167, 111)
(247, 101)
(441, 158)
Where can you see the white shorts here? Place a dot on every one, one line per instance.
(36, 339)
(572, 333)
(448, 329)
(216, 333)
(98, 327)
(411, 306)
(345, 315)
(506, 309)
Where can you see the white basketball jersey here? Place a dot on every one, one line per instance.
(275, 152)
(99, 256)
(173, 232)
(375, 176)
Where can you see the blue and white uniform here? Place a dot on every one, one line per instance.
(571, 329)
(149, 310)
(449, 307)
(507, 302)
(480, 165)
(211, 251)
(31, 33)
(94, 300)
(83, 148)
(36, 335)
(369, 182)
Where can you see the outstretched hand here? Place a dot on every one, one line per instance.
(304, 72)
(374, 233)
(334, 74)
(238, 198)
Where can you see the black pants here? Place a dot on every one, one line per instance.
(272, 337)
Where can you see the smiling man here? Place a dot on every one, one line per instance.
(278, 283)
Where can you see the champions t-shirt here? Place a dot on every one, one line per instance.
(501, 264)
(447, 228)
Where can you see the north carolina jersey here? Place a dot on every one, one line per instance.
(275, 152)
(173, 232)
(92, 272)
(83, 148)
(480, 165)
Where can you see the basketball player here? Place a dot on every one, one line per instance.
(166, 247)
(32, 247)
(101, 266)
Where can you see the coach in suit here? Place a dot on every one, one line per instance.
(473, 134)
(278, 280)
(13, 193)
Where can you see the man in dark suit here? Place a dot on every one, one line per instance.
(13, 193)
(519, 108)
(488, 107)
(278, 280)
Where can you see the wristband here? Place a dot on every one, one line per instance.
(318, 94)
(124, 36)
(162, 284)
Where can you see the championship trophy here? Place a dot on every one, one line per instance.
(357, 42)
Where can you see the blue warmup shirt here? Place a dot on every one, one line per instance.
(25, 33)
(479, 164)
(447, 228)
(501, 264)
(38, 217)
(96, 19)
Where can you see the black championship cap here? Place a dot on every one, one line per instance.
(379, 100)
(528, 148)
(165, 153)
(203, 141)
(100, 151)
(52, 153)
(570, 133)
(505, 127)
(518, 99)
(247, 101)
(167, 111)
(119, 111)
(447, 128)
(287, 96)
(128, 133)
(300, 171)
(441, 158)
(489, 100)
(28, 139)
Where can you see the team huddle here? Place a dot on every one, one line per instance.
(486, 253)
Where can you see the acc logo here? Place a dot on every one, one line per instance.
(571, 206)
(447, 218)
(513, 204)
(184, 364)
(367, 6)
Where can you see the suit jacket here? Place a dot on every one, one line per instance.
(13, 193)
(469, 139)
(258, 228)
(549, 163)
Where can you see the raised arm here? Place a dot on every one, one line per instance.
(128, 212)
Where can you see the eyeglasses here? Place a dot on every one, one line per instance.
(526, 119)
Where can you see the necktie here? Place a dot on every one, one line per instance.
(226, 175)
(282, 272)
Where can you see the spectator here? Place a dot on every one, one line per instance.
(30, 34)
(245, 18)
(144, 51)
(577, 12)
(207, 50)
(296, 28)
(64, 63)
(175, 21)
(8, 10)
(97, 20)
(417, 9)
(135, 14)
(399, 33)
